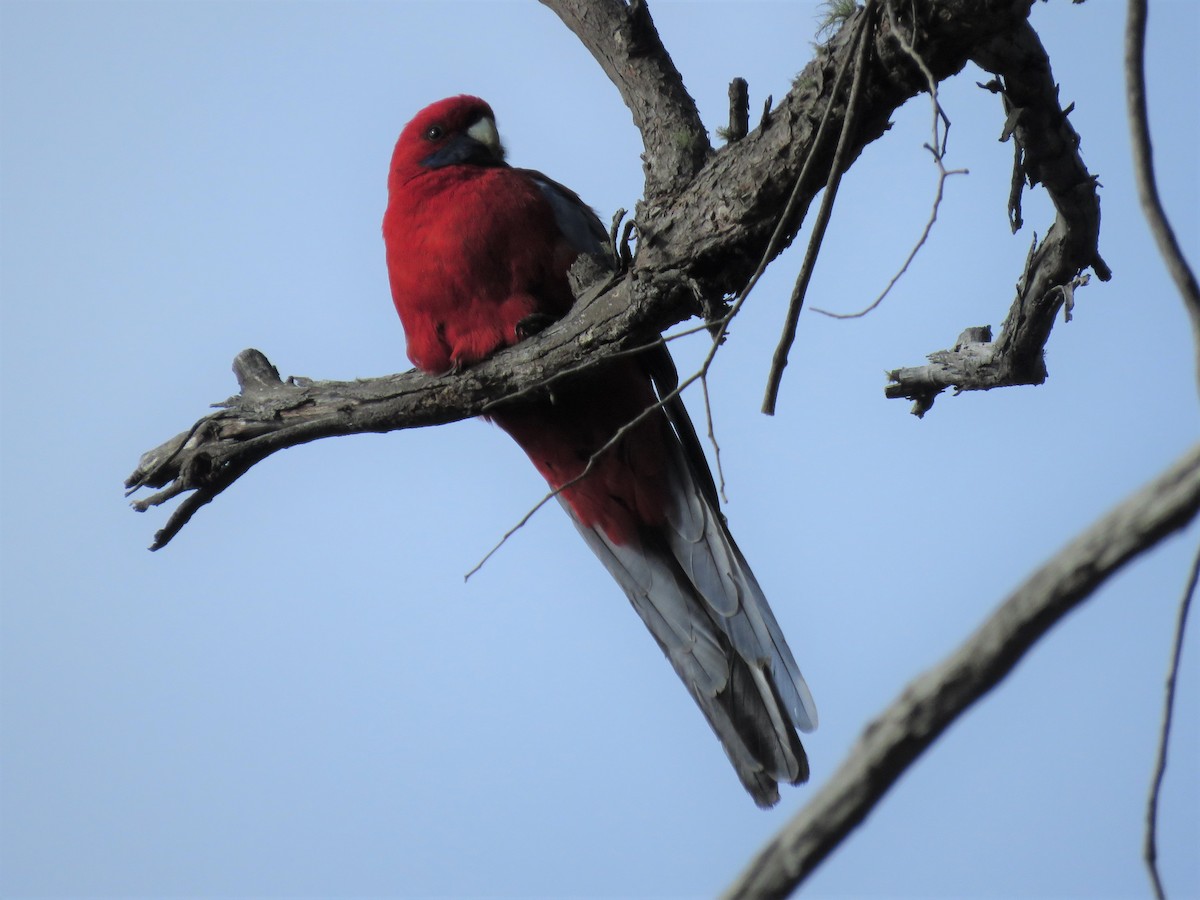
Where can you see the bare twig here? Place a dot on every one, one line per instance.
(790, 210)
(739, 110)
(717, 330)
(531, 512)
(890, 744)
(865, 33)
(712, 437)
(936, 146)
(600, 451)
(1143, 167)
(1150, 847)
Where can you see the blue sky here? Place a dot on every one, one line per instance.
(301, 697)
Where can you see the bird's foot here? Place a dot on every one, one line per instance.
(535, 323)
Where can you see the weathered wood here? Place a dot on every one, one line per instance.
(1048, 154)
(925, 708)
(701, 237)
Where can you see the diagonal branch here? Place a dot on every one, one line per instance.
(865, 34)
(625, 42)
(890, 744)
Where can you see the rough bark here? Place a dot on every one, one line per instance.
(703, 228)
(623, 39)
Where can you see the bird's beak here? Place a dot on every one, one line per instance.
(484, 131)
(479, 145)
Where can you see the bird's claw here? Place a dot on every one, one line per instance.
(534, 323)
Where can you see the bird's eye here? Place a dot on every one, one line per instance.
(434, 133)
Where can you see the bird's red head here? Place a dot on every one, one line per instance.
(456, 131)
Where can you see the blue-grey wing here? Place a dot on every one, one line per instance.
(576, 220)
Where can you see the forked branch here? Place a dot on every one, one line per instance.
(699, 242)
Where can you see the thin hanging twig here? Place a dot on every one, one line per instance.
(1143, 168)
(780, 359)
(937, 147)
(604, 448)
(722, 324)
(712, 437)
(1150, 847)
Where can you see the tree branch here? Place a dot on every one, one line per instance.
(1150, 842)
(270, 414)
(891, 743)
(865, 38)
(715, 231)
(1143, 169)
(1049, 153)
(625, 42)
(698, 245)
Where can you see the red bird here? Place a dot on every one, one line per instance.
(477, 256)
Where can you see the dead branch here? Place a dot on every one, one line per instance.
(864, 38)
(739, 110)
(270, 414)
(937, 145)
(1143, 169)
(1049, 155)
(891, 743)
(698, 244)
(1150, 843)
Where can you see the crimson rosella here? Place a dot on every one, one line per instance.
(478, 254)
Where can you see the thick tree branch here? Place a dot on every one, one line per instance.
(1048, 152)
(623, 39)
(270, 414)
(715, 231)
(698, 246)
(891, 743)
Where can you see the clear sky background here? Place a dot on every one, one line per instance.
(301, 697)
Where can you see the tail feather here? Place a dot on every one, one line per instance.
(702, 546)
(734, 677)
(649, 510)
(735, 589)
(666, 606)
